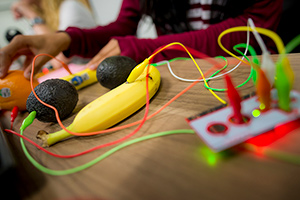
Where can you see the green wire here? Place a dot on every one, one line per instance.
(221, 68)
(292, 44)
(254, 56)
(98, 159)
(251, 51)
(216, 89)
(252, 72)
(174, 59)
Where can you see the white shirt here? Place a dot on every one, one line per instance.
(74, 13)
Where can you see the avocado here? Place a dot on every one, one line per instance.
(114, 70)
(57, 92)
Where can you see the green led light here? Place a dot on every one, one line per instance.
(211, 160)
(262, 106)
(256, 113)
(209, 155)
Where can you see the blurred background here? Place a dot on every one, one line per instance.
(104, 11)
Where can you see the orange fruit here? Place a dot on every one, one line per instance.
(14, 90)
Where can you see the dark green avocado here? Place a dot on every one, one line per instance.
(114, 70)
(57, 92)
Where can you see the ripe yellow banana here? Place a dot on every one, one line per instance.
(110, 108)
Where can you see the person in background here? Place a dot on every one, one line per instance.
(49, 16)
(194, 23)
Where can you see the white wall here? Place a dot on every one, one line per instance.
(5, 4)
(7, 21)
(105, 12)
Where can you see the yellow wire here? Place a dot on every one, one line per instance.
(205, 82)
(283, 61)
(269, 33)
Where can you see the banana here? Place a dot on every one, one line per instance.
(108, 109)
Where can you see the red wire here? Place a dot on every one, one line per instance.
(92, 149)
(38, 146)
(13, 115)
(141, 122)
(191, 50)
(57, 115)
(100, 146)
(175, 46)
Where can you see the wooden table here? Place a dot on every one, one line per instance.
(169, 167)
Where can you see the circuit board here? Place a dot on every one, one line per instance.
(219, 132)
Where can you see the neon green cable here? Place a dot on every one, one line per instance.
(251, 72)
(226, 64)
(218, 71)
(292, 44)
(283, 62)
(174, 59)
(251, 51)
(98, 159)
(294, 159)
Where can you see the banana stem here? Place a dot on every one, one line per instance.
(50, 139)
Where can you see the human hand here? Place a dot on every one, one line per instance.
(30, 46)
(112, 48)
(22, 9)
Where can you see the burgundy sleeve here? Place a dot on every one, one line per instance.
(264, 13)
(88, 42)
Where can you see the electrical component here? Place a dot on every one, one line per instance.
(235, 100)
(263, 90)
(267, 64)
(220, 133)
(13, 115)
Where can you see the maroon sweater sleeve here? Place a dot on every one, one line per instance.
(264, 13)
(88, 42)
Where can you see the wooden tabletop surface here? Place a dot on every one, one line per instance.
(169, 167)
